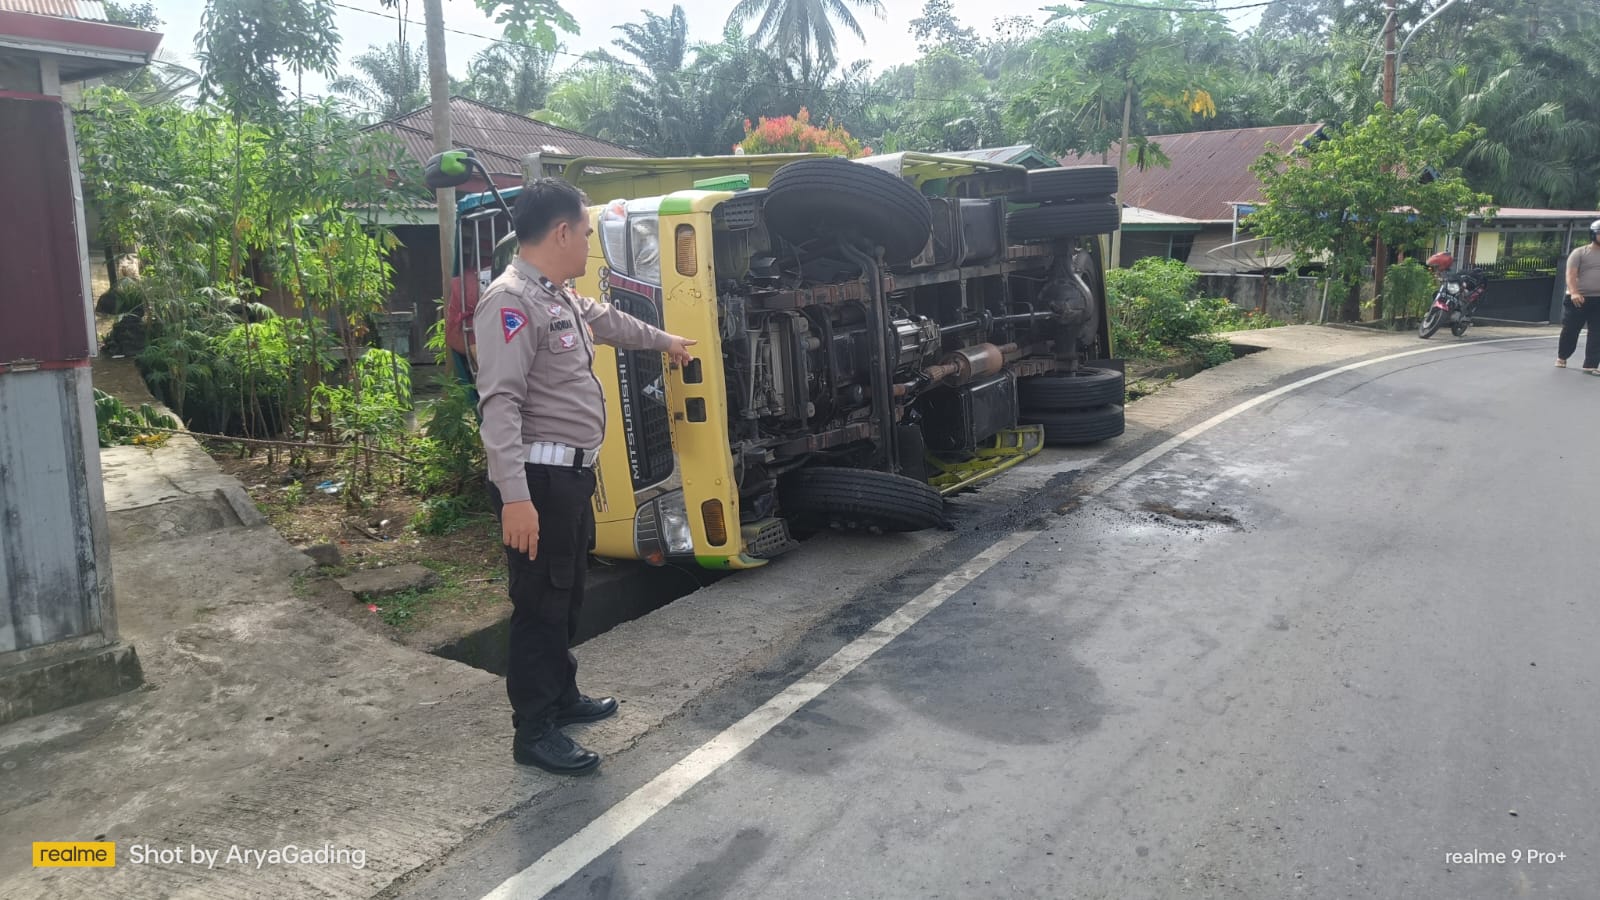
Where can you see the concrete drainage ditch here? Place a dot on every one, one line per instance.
(615, 593)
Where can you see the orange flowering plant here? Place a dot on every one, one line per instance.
(796, 134)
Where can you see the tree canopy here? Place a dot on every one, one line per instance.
(1386, 178)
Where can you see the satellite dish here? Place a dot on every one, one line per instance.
(1250, 255)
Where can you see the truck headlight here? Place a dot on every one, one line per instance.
(673, 517)
(644, 239)
(614, 237)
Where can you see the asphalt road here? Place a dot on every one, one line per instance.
(1311, 653)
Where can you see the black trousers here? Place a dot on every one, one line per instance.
(547, 594)
(1573, 320)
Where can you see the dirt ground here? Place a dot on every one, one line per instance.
(374, 533)
(379, 532)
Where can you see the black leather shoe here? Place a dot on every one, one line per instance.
(553, 752)
(587, 709)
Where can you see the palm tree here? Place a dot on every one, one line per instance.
(660, 43)
(389, 81)
(801, 31)
(510, 76)
(585, 98)
(1531, 148)
(657, 105)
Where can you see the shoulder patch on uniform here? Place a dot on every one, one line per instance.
(512, 321)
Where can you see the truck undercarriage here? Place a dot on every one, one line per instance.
(841, 352)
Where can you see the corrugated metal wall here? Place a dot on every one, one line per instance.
(55, 586)
(44, 313)
(49, 581)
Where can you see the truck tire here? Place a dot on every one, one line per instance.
(1068, 183)
(1058, 220)
(1087, 387)
(824, 197)
(1078, 426)
(860, 498)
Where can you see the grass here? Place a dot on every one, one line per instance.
(1144, 387)
(461, 585)
(401, 609)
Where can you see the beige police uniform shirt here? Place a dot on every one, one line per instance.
(536, 378)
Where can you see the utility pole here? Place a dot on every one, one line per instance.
(1390, 26)
(1122, 165)
(439, 93)
(1380, 255)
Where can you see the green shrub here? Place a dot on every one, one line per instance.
(258, 352)
(1408, 290)
(447, 514)
(1155, 313)
(183, 370)
(385, 378)
(1229, 316)
(117, 424)
(127, 297)
(449, 451)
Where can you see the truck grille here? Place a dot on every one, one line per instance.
(644, 400)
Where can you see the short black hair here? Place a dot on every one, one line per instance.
(542, 205)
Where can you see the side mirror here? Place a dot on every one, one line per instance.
(449, 169)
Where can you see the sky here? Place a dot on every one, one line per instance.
(888, 42)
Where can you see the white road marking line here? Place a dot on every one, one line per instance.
(605, 832)
(1106, 482)
(570, 857)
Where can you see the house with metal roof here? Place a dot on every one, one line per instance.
(500, 138)
(503, 140)
(1188, 210)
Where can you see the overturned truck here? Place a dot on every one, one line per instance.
(873, 334)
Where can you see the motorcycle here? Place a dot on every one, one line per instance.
(1455, 300)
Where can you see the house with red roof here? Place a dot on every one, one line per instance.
(502, 140)
(1193, 211)
(1189, 210)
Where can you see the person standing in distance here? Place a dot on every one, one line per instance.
(543, 420)
(1582, 306)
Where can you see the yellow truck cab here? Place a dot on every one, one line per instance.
(872, 334)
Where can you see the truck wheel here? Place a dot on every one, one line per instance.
(1078, 426)
(860, 498)
(1071, 390)
(1068, 183)
(825, 197)
(1057, 220)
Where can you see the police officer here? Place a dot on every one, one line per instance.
(1582, 306)
(543, 420)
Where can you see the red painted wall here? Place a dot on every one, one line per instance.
(43, 314)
